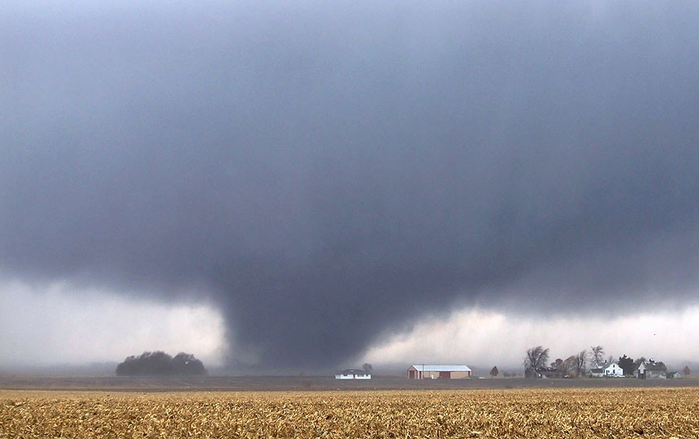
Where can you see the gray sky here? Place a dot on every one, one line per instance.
(324, 176)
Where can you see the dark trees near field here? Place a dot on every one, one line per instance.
(160, 363)
(627, 365)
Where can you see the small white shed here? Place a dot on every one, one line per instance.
(353, 374)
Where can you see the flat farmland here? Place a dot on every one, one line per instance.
(310, 383)
(484, 413)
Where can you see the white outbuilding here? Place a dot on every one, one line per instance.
(353, 374)
(434, 371)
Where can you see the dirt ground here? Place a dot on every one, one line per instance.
(314, 383)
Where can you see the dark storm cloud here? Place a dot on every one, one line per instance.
(328, 172)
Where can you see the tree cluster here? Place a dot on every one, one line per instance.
(160, 363)
(535, 361)
(574, 366)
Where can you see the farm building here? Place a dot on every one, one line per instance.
(353, 374)
(614, 371)
(596, 372)
(434, 371)
(652, 370)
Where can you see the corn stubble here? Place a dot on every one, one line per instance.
(571, 413)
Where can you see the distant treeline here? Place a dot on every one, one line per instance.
(160, 363)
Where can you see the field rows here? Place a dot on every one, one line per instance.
(570, 413)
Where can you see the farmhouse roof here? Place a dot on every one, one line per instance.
(441, 368)
(660, 366)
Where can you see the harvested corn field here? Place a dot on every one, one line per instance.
(570, 413)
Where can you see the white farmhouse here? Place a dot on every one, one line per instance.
(614, 371)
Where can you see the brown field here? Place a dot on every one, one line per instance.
(297, 382)
(484, 413)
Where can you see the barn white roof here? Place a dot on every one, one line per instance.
(441, 368)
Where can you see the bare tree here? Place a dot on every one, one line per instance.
(536, 358)
(579, 363)
(367, 367)
(494, 372)
(597, 355)
(557, 364)
(569, 366)
(686, 371)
